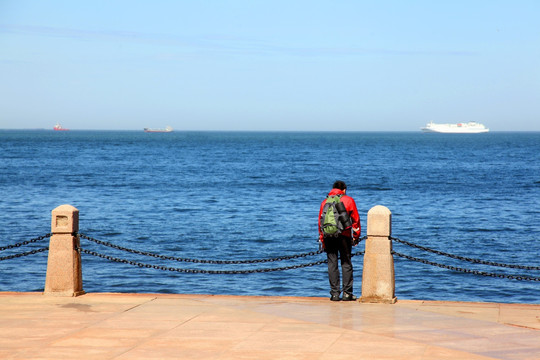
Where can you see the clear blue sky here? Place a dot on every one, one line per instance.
(269, 65)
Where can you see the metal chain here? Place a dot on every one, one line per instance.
(358, 253)
(471, 260)
(203, 271)
(23, 254)
(296, 256)
(199, 261)
(39, 238)
(197, 271)
(476, 272)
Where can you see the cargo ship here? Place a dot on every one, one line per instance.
(459, 128)
(59, 127)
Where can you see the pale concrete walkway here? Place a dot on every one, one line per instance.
(151, 326)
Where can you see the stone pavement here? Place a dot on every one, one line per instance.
(159, 326)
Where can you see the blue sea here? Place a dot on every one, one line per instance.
(241, 196)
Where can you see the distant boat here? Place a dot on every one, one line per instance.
(166, 130)
(59, 127)
(459, 128)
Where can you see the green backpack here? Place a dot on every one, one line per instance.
(334, 217)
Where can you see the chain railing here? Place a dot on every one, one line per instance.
(269, 260)
(471, 260)
(24, 243)
(199, 261)
(202, 261)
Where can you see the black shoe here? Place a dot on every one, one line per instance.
(335, 297)
(349, 297)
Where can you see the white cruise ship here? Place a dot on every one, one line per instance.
(460, 128)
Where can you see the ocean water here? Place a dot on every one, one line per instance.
(256, 195)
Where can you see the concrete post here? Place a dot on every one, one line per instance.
(64, 272)
(378, 282)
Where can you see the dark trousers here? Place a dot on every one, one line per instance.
(333, 246)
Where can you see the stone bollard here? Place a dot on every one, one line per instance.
(64, 273)
(378, 282)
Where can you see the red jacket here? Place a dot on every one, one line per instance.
(350, 205)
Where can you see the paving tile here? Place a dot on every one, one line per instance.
(175, 326)
(213, 330)
(478, 345)
(521, 315)
(440, 353)
(269, 355)
(515, 354)
(299, 327)
(170, 353)
(70, 353)
(287, 341)
(375, 346)
(123, 322)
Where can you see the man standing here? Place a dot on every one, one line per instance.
(341, 243)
